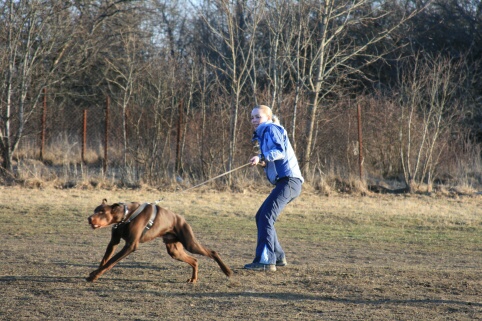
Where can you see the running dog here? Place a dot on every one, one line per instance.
(137, 223)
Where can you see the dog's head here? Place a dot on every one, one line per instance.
(105, 215)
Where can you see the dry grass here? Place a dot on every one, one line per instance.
(62, 167)
(350, 258)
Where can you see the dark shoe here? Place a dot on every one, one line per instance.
(260, 267)
(282, 262)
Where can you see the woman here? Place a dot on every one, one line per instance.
(282, 170)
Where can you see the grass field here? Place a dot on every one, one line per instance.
(350, 258)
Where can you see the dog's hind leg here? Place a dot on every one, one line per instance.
(186, 236)
(176, 251)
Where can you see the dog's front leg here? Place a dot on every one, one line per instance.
(114, 241)
(126, 250)
(108, 252)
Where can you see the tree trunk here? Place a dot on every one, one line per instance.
(313, 107)
(232, 140)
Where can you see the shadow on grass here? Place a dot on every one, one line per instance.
(67, 279)
(327, 298)
(283, 296)
(123, 265)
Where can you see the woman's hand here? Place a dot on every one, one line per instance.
(254, 160)
(257, 161)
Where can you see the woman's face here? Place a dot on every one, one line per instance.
(258, 117)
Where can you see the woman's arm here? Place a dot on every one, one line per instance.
(274, 144)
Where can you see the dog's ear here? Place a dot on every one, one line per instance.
(104, 201)
(115, 207)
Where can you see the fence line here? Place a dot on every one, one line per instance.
(92, 118)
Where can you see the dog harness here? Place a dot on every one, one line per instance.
(137, 212)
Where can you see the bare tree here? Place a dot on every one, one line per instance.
(37, 36)
(124, 72)
(334, 46)
(231, 30)
(430, 108)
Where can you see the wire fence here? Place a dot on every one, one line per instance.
(155, 143)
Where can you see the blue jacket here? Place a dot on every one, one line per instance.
(279, 155)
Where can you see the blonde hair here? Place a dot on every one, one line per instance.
(267, 110)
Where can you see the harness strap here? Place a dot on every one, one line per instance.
(152, 218)
(137, 212)
(132, 216)
(126, 210)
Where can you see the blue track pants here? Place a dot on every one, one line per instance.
(268, 248)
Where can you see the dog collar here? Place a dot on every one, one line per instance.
(126, 210)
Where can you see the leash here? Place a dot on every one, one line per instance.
(211, 179)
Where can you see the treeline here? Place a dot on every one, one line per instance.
(183, 76)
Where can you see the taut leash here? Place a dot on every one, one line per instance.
(211, 179)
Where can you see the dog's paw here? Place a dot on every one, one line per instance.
(92, 276)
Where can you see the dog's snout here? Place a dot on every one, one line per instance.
(89, 219)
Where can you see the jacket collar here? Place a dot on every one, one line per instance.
(261, 127)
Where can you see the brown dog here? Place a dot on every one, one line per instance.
(138, 223)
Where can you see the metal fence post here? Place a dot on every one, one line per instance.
(360, 143)
(42, 125)
(179, 139)
(106, 136)
(84, 136)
